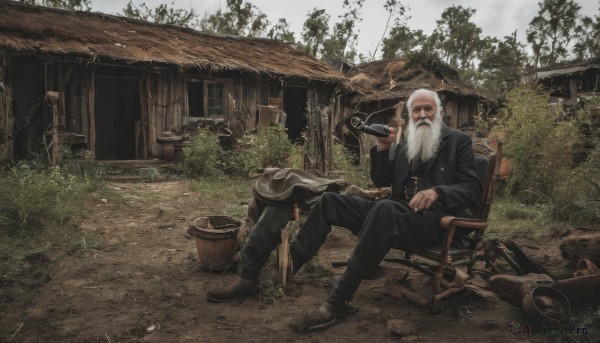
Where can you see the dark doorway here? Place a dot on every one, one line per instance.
(294, 105)
(117, 112)
(28, 106)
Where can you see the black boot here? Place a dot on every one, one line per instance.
(327, 315)
(334, 310)
(344, 289)
(239, 288)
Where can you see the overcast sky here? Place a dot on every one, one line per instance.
(497, 18)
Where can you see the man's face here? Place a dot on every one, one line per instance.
(423, 107)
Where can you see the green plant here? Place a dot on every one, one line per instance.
(344, 160)
(509, 217)
(577, 196)
(540, 145)
(201, 157)
(149, 174)
(271, 148)
(32, 200)
(236, 191)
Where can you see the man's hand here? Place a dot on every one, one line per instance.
(383, 143)
(423, 200)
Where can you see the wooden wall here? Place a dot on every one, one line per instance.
(163, 97)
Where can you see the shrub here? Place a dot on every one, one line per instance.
(540, 145)
(31, 200)
(271, 148)
(201, 157)
(344, 160)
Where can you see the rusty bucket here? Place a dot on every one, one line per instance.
(215, 240)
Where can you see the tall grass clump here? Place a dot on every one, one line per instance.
(555, 155)
(577, 197)
(540, 145)
(31, 200)
(344, 161)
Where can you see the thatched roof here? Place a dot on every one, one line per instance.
(397, 79)
(27, 29)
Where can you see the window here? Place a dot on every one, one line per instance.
(214, 98)
(205, 99)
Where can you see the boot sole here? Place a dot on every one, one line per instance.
(217, 300)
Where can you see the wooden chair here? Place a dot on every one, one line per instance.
(446, 257)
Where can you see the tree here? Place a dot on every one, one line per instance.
(397, 11)
(314, 31)
(281, 31)
(162, 14)
(342, 42)
(403, 42)
(242, 19)
(501, 65)
(587, 44)
(551, 30)
(456, 39)
(75, 5)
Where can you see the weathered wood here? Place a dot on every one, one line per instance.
(92, 114)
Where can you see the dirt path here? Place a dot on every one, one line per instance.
(135, 278)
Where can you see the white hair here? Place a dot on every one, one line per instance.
(423, 91)
(423, 140)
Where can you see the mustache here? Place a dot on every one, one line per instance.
(424, 121)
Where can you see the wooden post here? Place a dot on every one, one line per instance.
(53, 98)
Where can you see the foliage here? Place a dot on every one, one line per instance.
(75, 5)
(237, 192)
(402, 42)
(540, 144)
(162, 14)
(281, 31)
(501, 65)
(32, 200)
(509, 217)
(314, 31)
(544, 146)
(397, 11)
(269, 149)
(457, 39)
(551, 31)
(577, 197)
(242, 19)
(201, 157)
(342, 42)
(587, 44)
(344, 160)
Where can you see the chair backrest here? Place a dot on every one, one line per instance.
(485, 161)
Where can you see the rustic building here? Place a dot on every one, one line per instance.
(380, 89)
(122, 82)
(567, 82)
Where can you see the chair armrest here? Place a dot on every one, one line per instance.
(467, 223)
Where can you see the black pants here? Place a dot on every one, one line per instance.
(380, 226)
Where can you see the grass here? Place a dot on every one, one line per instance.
(235, 191)
(37, 212)
(509, 217)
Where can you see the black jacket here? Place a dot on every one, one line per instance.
(452, 172)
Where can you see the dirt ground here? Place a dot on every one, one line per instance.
(138, 279)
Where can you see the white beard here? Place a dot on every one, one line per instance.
(423, 140)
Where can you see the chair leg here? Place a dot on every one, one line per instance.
(434, 307)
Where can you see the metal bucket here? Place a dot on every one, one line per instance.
(215, 240)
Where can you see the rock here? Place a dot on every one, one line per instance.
(514, 288)
(401, 327)
(579, 246)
